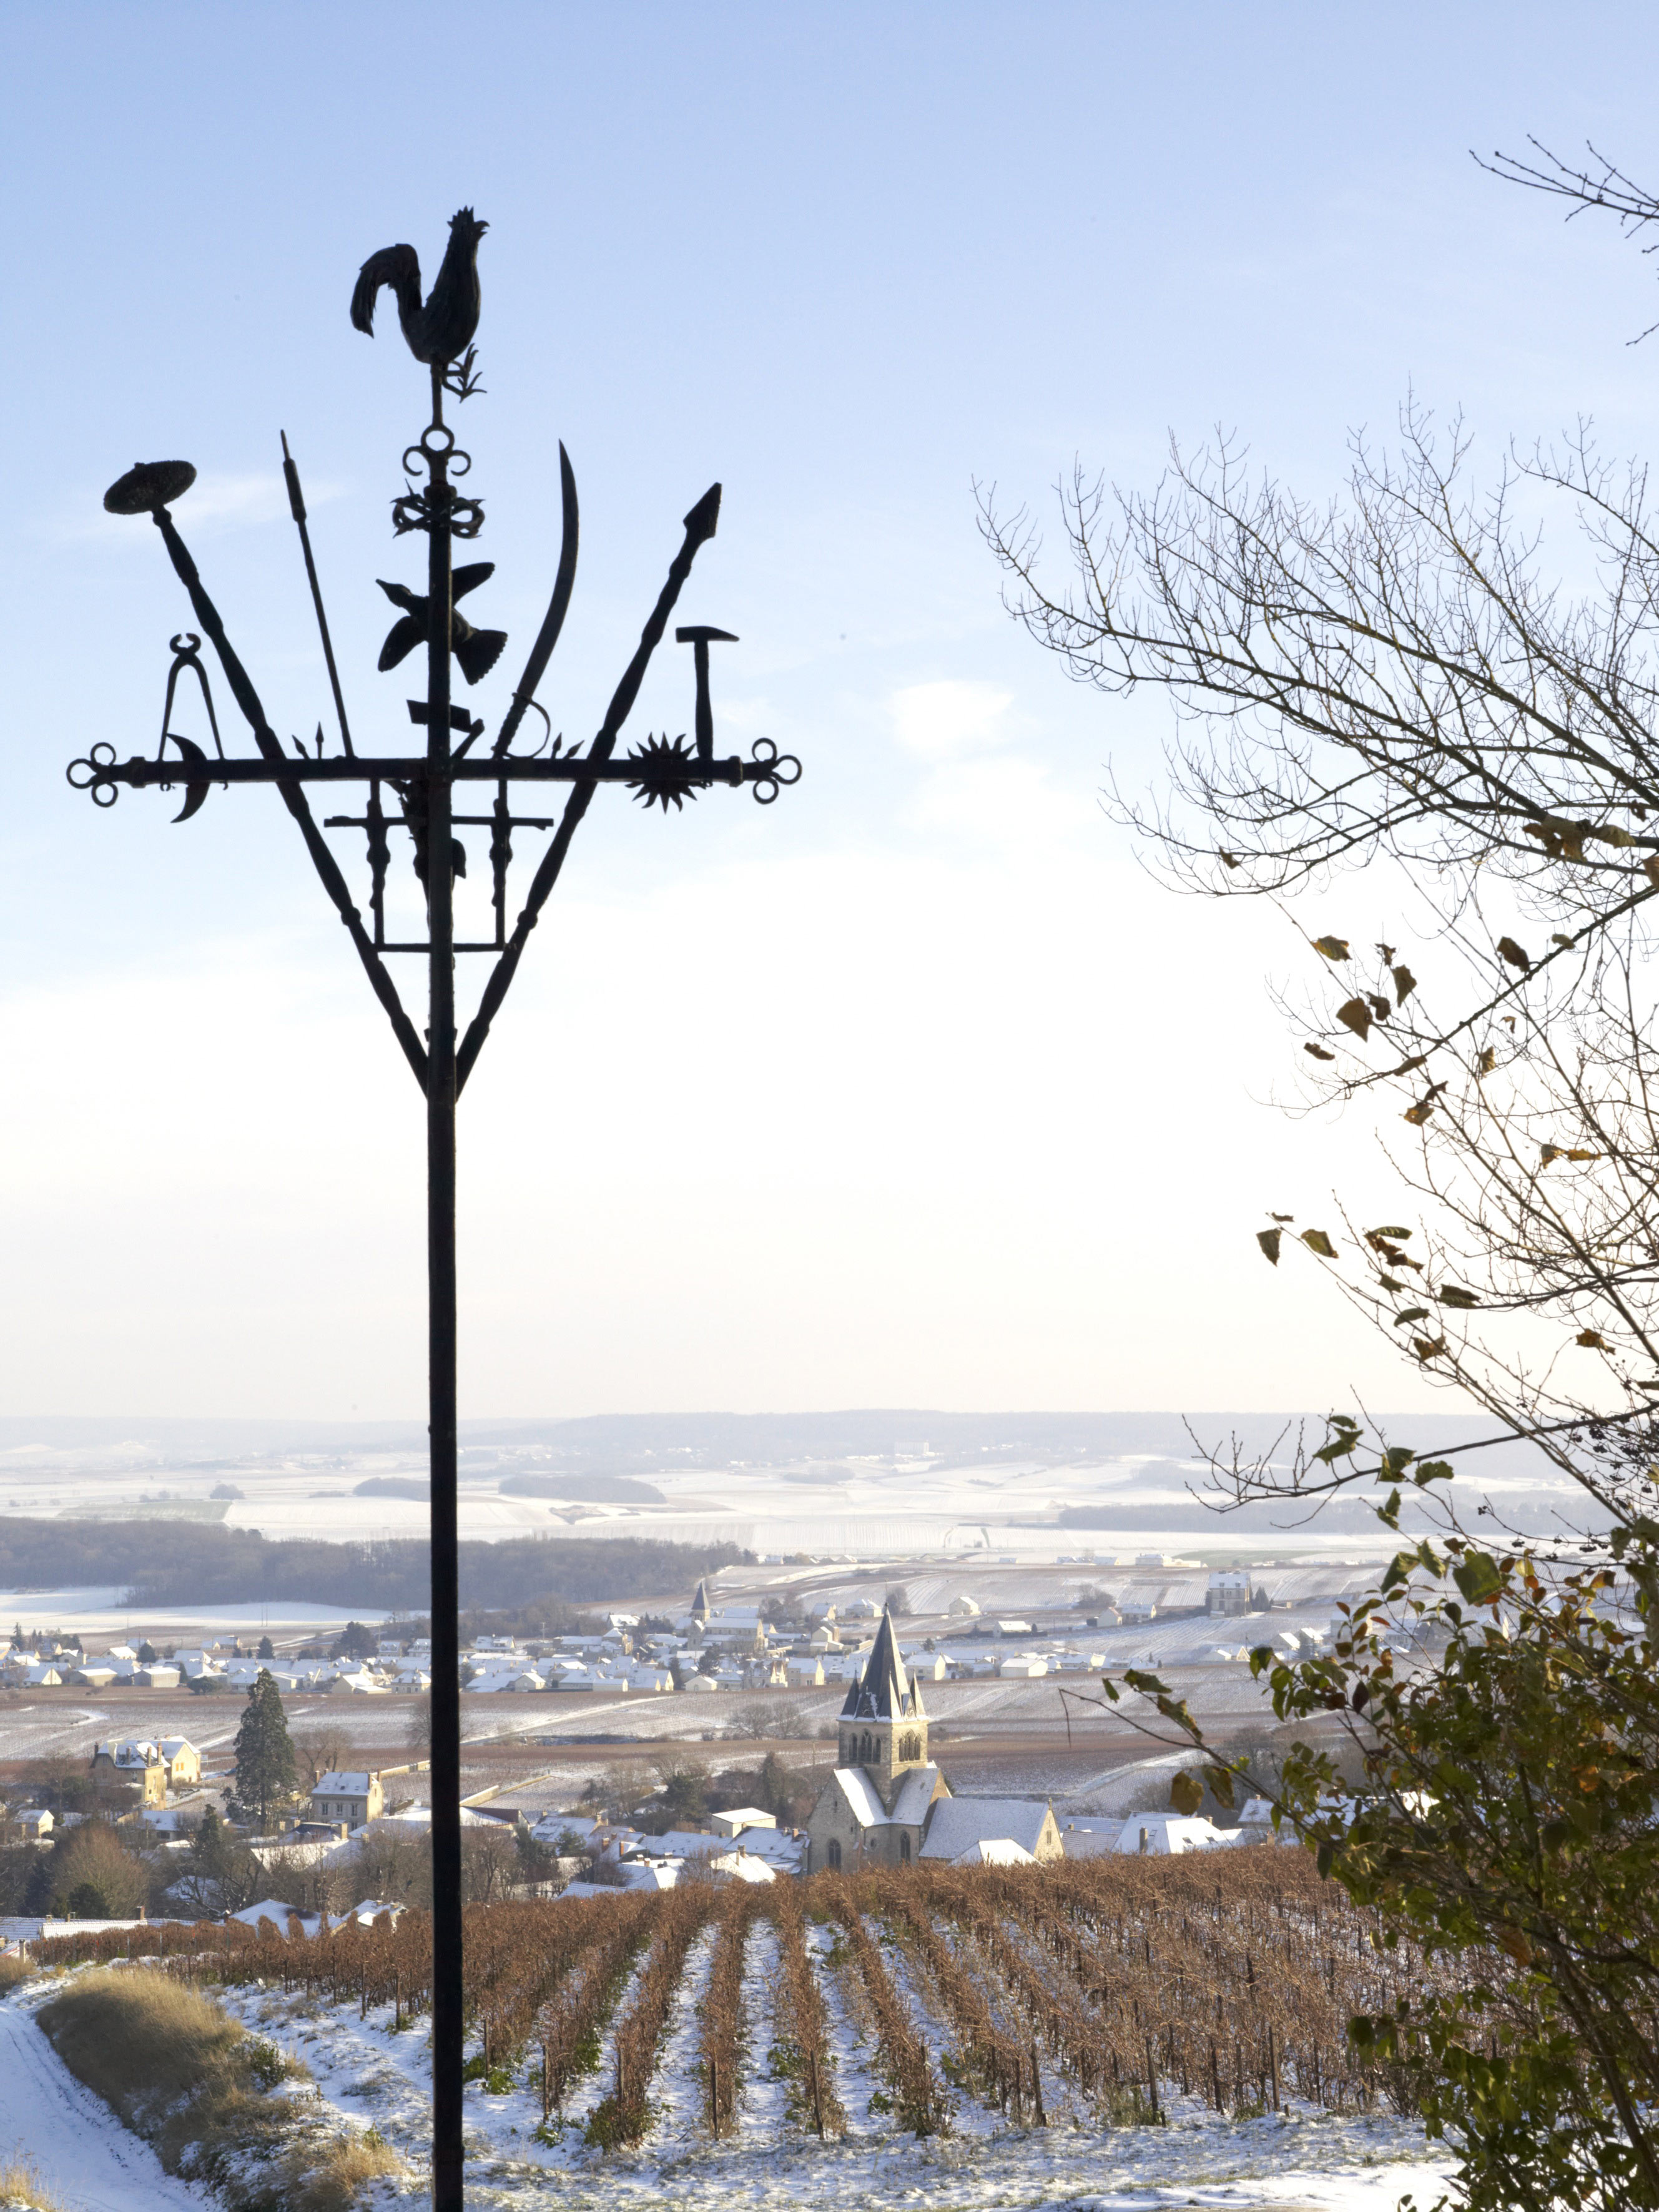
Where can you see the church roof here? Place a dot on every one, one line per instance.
(701, 1607)
(910, 1801)
(884, 1691)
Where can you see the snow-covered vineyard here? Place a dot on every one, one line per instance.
(1105, 2033)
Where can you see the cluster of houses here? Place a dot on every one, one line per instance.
(711, 1648)
(125, 1666)
(885, 1804)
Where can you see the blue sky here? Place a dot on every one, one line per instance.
(911, 1089)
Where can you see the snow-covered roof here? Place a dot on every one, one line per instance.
(341, 1785)
(775, 1845)
(997, 1850)
(732, 1821)
(272, 1909)
(1171, 1834)
(910, 1801)
(959, 1823)
(914, 1795)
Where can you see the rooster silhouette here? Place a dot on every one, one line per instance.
(478, 650)
(444, 327)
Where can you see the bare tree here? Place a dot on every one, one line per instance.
(322, 1750)
(1393, 676)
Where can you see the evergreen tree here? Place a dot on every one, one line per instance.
(355, 1642)
(267, 1649)
(264, 1756)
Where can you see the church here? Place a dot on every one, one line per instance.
(876, 1808)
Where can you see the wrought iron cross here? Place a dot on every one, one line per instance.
(415, 794)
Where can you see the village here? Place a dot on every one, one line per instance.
(885, 1802)
(663, 2005)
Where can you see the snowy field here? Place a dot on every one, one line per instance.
(967, 2005)
(823, 1485)
(371, 2076)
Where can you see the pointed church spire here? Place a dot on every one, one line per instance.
(701, 1607)
(884, 1691)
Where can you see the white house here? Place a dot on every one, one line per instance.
(352, 1797)
(1228, 1591)
(741, 1817)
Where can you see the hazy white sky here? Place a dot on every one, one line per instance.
(911, 1089)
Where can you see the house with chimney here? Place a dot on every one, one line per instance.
(876, 1806)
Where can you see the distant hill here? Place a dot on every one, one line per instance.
(641, 1445)
(394, 1486)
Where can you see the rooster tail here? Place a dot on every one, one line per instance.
(479, 653)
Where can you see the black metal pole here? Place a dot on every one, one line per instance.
(447, 2025)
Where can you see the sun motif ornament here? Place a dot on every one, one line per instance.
(668, 773)
(458, 776)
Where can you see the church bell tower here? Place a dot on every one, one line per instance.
(884, 1726)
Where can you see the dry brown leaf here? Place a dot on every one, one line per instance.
(1318, 1052)
(1317, 1241)
(1186, 1792)
(1427, 1348)
(1269, 1240)
(1404, 984)
(1592, 1340)
(1510, 951)
(1357, 1016)
(1416, 1115)
(1333, 948)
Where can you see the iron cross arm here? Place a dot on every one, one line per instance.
(660, 769)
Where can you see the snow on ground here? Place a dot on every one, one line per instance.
(369, 2074)
(764, 2097)
(84, 2157)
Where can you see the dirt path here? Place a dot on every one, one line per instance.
(83, 2155)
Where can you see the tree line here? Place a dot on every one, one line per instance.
(184, 1562)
